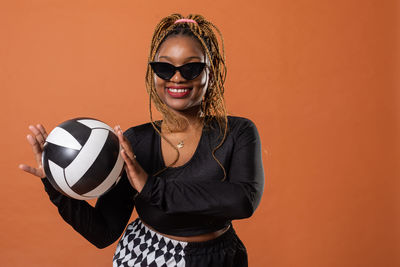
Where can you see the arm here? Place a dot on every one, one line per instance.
(103, 224)
(235, 198)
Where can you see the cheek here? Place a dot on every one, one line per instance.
(159, 83)
(157, 80)
(203, 81)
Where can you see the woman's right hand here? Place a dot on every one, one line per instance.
(37, 142)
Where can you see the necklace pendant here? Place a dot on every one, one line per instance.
(180, 144)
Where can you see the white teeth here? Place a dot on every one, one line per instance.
(178, 90)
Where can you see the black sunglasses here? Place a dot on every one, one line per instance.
(166, 71)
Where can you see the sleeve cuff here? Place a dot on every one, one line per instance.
(48, 187)
(145, 194)
(54, 195)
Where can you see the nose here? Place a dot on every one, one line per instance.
(177, 78)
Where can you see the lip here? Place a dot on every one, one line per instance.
(184, 91)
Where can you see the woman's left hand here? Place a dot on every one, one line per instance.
(137, 176)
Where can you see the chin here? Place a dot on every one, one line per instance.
(183, 108)
(178, 108)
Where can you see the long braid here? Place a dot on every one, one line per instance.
(214, 102)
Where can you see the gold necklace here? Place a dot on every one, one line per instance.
(181, 143)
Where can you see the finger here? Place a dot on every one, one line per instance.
(128, 150)
(36, 148)
(128, 160)
(31, 170)
(34, 143)
(117, 128)
(125, 143)
(42, 130)
(38, 135)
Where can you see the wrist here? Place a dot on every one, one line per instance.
(141, 181)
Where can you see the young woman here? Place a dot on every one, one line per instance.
(188, 175)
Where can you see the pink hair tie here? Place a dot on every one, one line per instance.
(185, 20)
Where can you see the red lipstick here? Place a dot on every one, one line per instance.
(178, 91)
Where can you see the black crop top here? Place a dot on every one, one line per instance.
(182, 201)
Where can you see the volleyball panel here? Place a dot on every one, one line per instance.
(78, 130)
(110, 181)
(62, 156)
(102, 166)
(61, 137)
(59, 176)
(49, 175)
(86, 157)
(94, 124)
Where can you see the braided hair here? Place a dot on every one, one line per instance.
(213, 104)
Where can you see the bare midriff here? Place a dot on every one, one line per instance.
(195, 238)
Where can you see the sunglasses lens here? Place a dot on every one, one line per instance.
(163, 70)
(190, 71)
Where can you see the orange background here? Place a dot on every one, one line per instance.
(319, 79)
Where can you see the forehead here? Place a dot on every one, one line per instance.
(180, 48)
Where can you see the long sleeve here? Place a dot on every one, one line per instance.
(235, 198)
(103, 224)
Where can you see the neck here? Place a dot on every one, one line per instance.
(187, 120)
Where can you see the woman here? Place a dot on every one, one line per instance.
(188, 175)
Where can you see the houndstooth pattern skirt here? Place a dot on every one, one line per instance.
(141, 246)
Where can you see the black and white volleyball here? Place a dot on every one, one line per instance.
(81, 158)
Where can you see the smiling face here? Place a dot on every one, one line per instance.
(177, 93)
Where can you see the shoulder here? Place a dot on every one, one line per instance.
(237, 126)
(139, 132)
(139, 129)
(243, 130)
(240, 124)
(240, 121)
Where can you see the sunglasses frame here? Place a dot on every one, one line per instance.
(179, 68)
